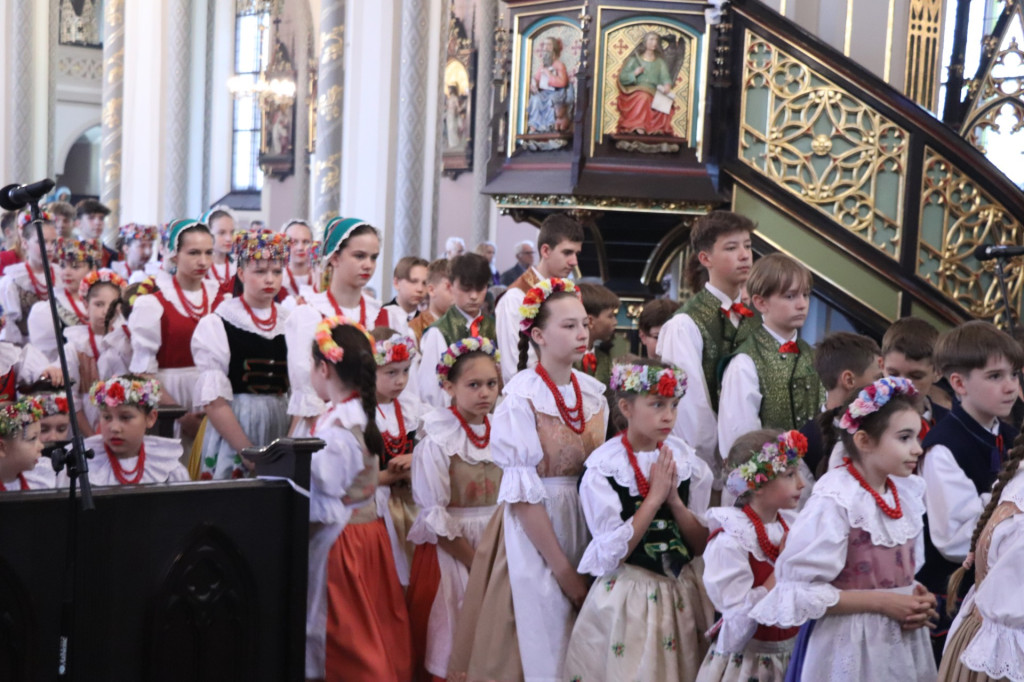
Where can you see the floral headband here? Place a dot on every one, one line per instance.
(135, 232)
(396, 349)
(77, 251)
(122, 390)
(97, 276)
(668, 382)
(470, 344)
(257, 245)
(25, 217)
(770, 461)
(18, 415)
(536, 296)
(314, 252)
(871, 400)
(329, 348)
(52, 403)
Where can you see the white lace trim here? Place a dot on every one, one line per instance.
(521, 484)
(610, 460)
(1014, 490)
(794, 603)
(162, 455)
(442, 427)
(737, 526)
(18, 273)
(232, 311)
(863, 512)
(10, 355)
(529, 386)
(347, 415)
(604, 553)
(997, 651)
(431, 523)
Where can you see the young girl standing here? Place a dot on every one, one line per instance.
(222, 227)
(518, 610)
(242, 358)
(77, 258)
(399, 415)
(986, 641)
(20, 447)
(24, 284)
(137, 246)
(351, 248)
(298, 275)
(739, 563)
(357, 626)
(851, 555)
(455, 483)
(644, 494)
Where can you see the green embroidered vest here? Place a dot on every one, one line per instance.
(720, 338)
(662, 549)
(791, 392)
(603, 372)
(453, 326)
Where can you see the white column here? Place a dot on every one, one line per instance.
(487, 19)
(326, 169)
(175, 152)
(113, 98)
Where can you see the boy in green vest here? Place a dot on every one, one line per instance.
(602, 306)
(709, 327)
(771, 382)
(470, 275)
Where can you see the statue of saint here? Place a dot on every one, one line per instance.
(645, 97)
(550, 105)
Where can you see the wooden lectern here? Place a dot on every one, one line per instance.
(186, 582)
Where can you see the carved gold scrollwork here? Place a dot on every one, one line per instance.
(332, 44)
(956, 217)
(329, 103)
(921, 81)
(997, 94)
(822, 144)
(111, 117)
(329, 173)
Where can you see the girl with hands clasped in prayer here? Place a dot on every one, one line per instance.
(851, 555)
(644, 494)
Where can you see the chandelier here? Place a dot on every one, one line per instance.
(275, 85)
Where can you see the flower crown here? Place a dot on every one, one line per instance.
(125, 391)
(770, 461)
(470, 344)
(25, 217)
(536, 296)
(668, 382)
(71, 250)
(52, 403)
(257, 245)
(329, 348)
(396, 349)
(314, 251)
(136, 232)
(871, 400)
(97, 276)
(18, 415)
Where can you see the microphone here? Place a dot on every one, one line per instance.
(15, 197)
(990, 251)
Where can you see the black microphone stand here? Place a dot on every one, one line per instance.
(78, 472)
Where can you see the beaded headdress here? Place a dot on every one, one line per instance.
(25, 217)
(871, 400)
(329, 348)
(668, 382)
(123, 390)
(314, 251)
(259, 245)
(536, 296)
(335, 232)
(18, 415)
(97, 276)
(133, 232)
(455, 351)
(396, 349)
(70, 250)
(52, 403)
(770, 461)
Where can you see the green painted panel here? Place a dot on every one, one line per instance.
(918, 310)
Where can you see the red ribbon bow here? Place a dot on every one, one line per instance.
(925, 428)
(741, 310)
(789, 347)
(474, 326)
(589, 363)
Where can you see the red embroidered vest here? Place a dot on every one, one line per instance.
(766, 633)
(176, 335)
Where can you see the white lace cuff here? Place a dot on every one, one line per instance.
(997, 651)
(304, 403)
(604, 554)
(737, 625)
(794, 603)
(431, 523)
(521, 484)
(210, 385)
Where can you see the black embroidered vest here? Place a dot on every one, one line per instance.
(662, 549)
(258, 365)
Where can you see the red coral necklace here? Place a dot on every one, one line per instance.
(480, 442)
(395, 445)
(573, 417)
(770, 550)
(132, 476)
(893, 512)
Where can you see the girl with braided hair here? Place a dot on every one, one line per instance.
(986, 641)
(357, 624)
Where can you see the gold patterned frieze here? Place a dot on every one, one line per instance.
(332, 44)
(329, 103)
(507, 202)
(921, 82)
(956, 217)
(823, 145)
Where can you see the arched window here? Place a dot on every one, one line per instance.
(252, 52)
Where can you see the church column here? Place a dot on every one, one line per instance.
(175, 152)
(326, 169)
(483, 207)
(113, 91)
(20, 92)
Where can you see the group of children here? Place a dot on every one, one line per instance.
(498, 498)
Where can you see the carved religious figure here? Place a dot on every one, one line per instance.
(645, 99)
(551, 97)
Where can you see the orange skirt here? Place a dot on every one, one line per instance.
(424, 577)
(367, 620)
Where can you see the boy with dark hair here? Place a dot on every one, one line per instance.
(966, 449)
(709, 327)
(559, 243)
(471, 276)
(90, 216)
(771, 382)
(64, 215)
(845, 363)
(439, 297)
(652, 318)
(602, 306)
(410, 282)
(907, 349)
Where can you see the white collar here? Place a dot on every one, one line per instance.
(464, 314)
(721, 296)
(778, 338)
